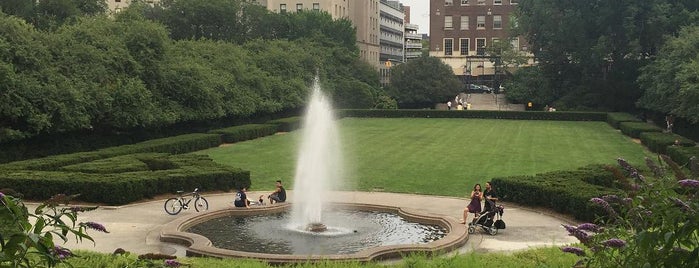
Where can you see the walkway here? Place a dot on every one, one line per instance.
(136, 227)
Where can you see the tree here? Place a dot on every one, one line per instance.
(423, 82)
(671, 83)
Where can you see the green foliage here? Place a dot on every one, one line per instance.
(352, 94)
(528, 84)
(658, 141)
(614, 119)
(422, 83)
(670, 83)
(681, 155)
(652, 223)
(245, 132)
(634, 129)
(566, 192)
(34, 240)
(563, 116)
(286, 124)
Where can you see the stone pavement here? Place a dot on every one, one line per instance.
(136, 227)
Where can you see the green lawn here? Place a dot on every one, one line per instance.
(439, 156)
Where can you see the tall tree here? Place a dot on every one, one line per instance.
(423, 82)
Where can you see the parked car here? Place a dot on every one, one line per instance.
(473, 88)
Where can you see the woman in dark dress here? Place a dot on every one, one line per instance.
(475, 205)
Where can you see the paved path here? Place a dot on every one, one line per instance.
(136, 227)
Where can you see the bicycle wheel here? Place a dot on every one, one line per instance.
(173, 206)
(200, 204)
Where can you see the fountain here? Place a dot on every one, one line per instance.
(309, 229)
(319, 163)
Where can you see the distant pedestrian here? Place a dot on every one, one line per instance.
(670, 122)
(449, 105)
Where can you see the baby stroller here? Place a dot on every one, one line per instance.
(490, 220)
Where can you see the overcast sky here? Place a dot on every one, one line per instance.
(419, 13)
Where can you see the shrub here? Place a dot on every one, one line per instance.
(634, 129)
(286, 124)
(174, 145)
(563, 116)
(614, 119)
(681, 155)
(118, 164)
(658, 141)
(566, 192)
(245, 132)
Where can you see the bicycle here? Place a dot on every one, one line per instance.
(174, 205)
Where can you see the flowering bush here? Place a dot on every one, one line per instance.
(37, 233)
(655, 225)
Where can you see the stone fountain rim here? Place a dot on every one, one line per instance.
(198, 245)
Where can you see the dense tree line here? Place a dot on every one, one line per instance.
(67, 66)
(590, 53)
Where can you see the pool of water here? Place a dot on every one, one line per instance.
(349, 231)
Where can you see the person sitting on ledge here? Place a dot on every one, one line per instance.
(279, 195)
(241, 199)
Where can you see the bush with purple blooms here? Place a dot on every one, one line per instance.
(655, 225)
(39, 233)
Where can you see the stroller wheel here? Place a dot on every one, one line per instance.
(493, 231)
(471, 229)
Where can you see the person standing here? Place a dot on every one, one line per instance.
(449, 105)
(490, 197)
(279, 195)
(241, 199)
(475, 205)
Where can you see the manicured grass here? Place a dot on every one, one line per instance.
(439, 156)
(542, 257)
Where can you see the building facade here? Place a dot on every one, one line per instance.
(461, 30)
(413, 42)
(364, 15)
(391, 40)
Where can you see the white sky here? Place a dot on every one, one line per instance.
(419, 13)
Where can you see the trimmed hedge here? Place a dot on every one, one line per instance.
(245, 132)
(614, 119)
(681, 154)
(567, 192)
(174, 145)
(658, 141)
(634, 129)
(286, 124)
(122, 188)
(517, 115)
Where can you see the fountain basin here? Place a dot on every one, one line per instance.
(198, 245)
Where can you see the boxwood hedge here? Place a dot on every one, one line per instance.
(566, 192)
(523, 115)
(614, 119)
(681, 154)
(658, 141)
(245, 132)
(121, 188)
(286, 124)
(634, 129)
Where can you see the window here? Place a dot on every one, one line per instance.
(497, 22)
(448, 46)
(514, 2)
(448, 2)
(480, 46)
(117, 1)
(464, 23)
(464, 2)
(448, 23)
(515, 43)
(463, 46)
(117, 10)
(481, 2)
(497, 2)
(495, 40)
(316, 6)
(299, 7)
(282, 7)
(480, 23)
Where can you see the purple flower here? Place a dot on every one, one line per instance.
(689, 183)
(590, 227)
(605, 205)
(681, 204)
(582, 236)
(2, 195)
(574, 250)
(95, 226)
(614, 243)
(654, 167)
(611, 198)
(62, 253)
(172, 263)
(570, 229)
(622, 162)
